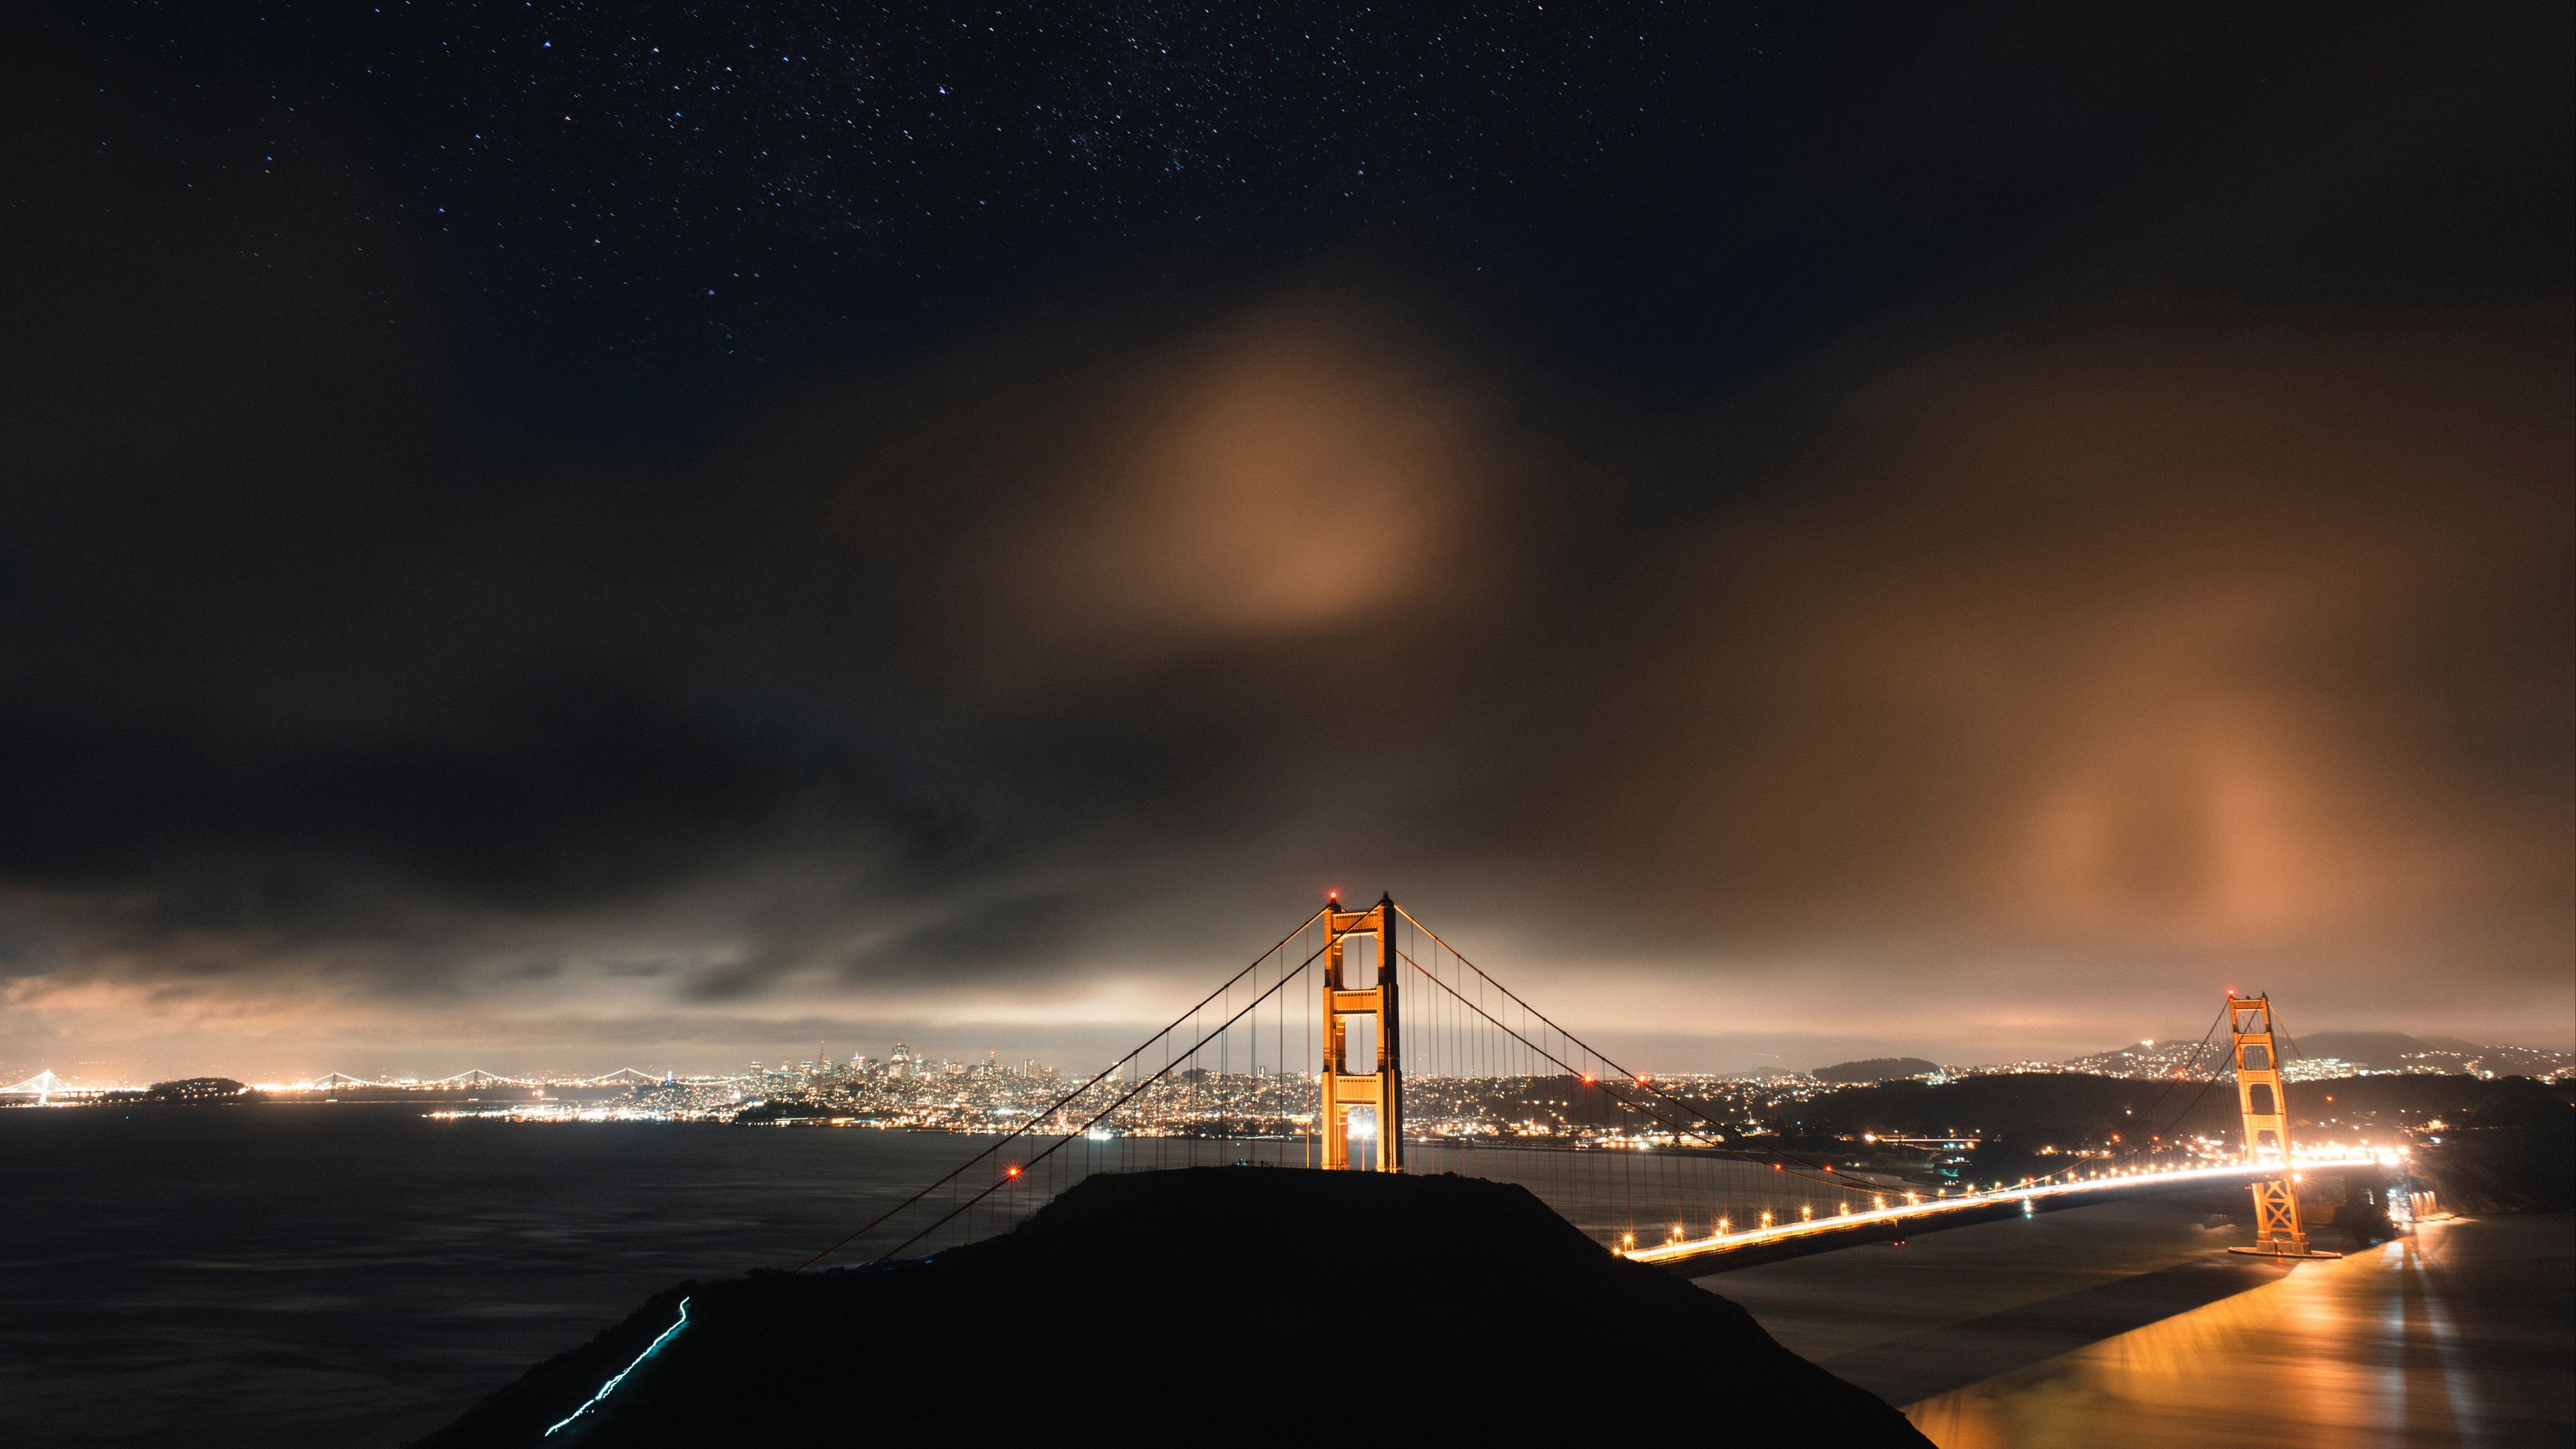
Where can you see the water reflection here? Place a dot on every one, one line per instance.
(2436, 1340)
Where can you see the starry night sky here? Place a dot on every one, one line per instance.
(684, 199)
(549, 531)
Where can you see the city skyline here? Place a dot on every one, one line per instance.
(2144, 1057)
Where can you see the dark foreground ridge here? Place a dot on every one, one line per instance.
(1259, 1305)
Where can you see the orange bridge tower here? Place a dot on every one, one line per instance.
(2278, 1232)
(1380, 1089)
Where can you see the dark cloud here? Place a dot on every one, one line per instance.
(2089, 534)
(562, 795)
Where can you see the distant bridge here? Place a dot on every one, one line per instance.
(44, 1086)
(1362, 1041)
(476, 1078)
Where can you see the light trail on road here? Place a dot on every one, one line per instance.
(2026, 1196)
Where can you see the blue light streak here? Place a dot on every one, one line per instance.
(649, 1350)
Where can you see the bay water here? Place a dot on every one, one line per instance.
(356, 1274)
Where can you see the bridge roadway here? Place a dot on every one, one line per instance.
(1723, 1252)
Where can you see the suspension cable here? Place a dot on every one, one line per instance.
(1715, 1145)
(2212, 1081)
(999, 1183)
(1682, 1102)
(2188, 1063)
(1031, 1125)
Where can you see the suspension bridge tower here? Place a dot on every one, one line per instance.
(2278, 1233)
(1381, 1089)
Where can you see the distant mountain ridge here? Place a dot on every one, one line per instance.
(2381, 1051)
(1874, 1069)
(2373, 1051)
(2391, 1051)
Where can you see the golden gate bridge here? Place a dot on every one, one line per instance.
(1363, 1041)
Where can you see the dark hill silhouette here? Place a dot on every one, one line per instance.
(2394, 1051)
(1875, 1069)
(1237, 1305)
(2384, 1051)
(2068, 1108)
(2512, 1153)
(200, 1090)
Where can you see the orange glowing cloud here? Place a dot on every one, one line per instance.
(1299, 471)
